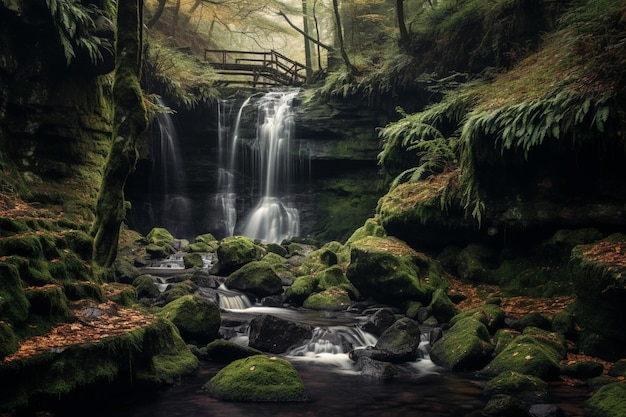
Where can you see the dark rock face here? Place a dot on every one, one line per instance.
(275, 335)
(380, 321)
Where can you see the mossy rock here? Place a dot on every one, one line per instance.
(475, 263)
(503, 338)
(34, 272)
(277, 249)
(370, 228)
(526, 355)
(281, 267)
(334, 277)
(563, 323)
(8, 340)
(401, 340)
(464, 347)
(146, 287)
(79, 242)
(177, 290)
(236, 251)
(618, 369)
(257, 379)
(526, 388)
(160, 243)
(225, 352)
(193, 260)
(124, 295)
(207, 238)
(386, 269)
(317, 261)
(28, 246)
(582, 369)
(199, 247)
(301, 289)
(197, 319)
(533, 319)
(491, 315)
(257, 278)
(13, 303)
(49, 301)
(608, 401)
(332, 299)
(83, 290)
(442, 308)
(9, 227)
(552, 339)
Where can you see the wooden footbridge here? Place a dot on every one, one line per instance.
(255, 68)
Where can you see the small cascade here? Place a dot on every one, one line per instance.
(334, 340)
(232, 300)
(169, 179)
(267, 161)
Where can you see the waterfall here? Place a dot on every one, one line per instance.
(271, 164)
(169, 179)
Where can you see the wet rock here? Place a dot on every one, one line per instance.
(546, 410)
(257, 379)
(193, 260)
(442, 307)
(301, 289)
(333, 299)
(618, 369)
(257, 278)
(377, 369)
(608, 401)
(505, 406)
(465, 346)
(145, 287)
(526, 388)
(234, 252)
(582, 369)
(380, 321)
(490, 315)
(275, 335)
(401, 339)
(532, 320)
(226, 352)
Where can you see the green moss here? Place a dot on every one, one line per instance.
(257, 379)
(83, 290)
(236, 251)
(13, 303)
(257, 277)
(8, 340)
(277, 249)
(197, 319)
(223, 351)
(503, 338)
(9, 227)
(370, 228)
(442, 308)
(32, 271)
(80, 243)
(178, 290)
(192, 260)
(490, 315)
(145, 287)
(49, 302)
(27, 246)
(523, 387)
(618, 369)
(465, 346)
(302, 288)
(332, 299)
(608, 401)
(124, 296)
(317, 261)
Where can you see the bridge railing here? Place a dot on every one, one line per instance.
(270, 64)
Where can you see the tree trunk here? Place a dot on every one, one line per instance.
(129, 120)
(317, 36)
(307, 44)
(405, 41)
(346, 60)
(157, 14)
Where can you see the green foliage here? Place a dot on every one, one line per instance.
(74, 22)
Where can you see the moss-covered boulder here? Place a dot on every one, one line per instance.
(281, 267)
(8, 340)
(465, 346)
(618, 369)
(335, 277)
(529, 356)
(332, 299)
(600, 281)
(491, 315)
(257, 277)
(387, 270)
(224, 351)
(236, 251)
(442, 307)
(608, 401)
(257, 379)
(526, 388)
(160, 243)
(371, 228)
(582, 369)
(301, 289)
(317, 261)
(475, 262)
(503, 337)
(146, 287)
(13, 303)
(193, 260)
(277, 249)
(532, 319)
(203, 243)
(197, 319)
(276, 335)
(401, 340)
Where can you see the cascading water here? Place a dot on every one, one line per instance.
(169, 179)
(272, 165)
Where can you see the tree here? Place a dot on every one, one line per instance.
(405, 40)
(307, 43)
(339, 29)
(129, 120)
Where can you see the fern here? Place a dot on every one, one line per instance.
(74, 22)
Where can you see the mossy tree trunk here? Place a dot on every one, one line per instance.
(129, 121)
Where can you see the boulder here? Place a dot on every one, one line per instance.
(491, 315)
(387, 270)
(401, 339)
(234, 252)
(380, 321)
(546, 410)
(332, 299)
(505, 406)
(526, 388)
(334, 277)
(503, 338)
(160, 243)
(145, 287)
(301, 289)
(257, 278)
(376, 369)
(275, 335)
(608, 401)
(316, 261)
(197, 319)
(442, 308)
(225, 352)
(618, 369)
(193, 260)
(582, 369)
(533, 319)
(464, 347)
(257, 379)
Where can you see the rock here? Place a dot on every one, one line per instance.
(277, 249)
(442, 308)
(583, 369)
(234, 252)
(281, 267)
(380, 321)
(464, 347)
(370, 228)
(618, 369)
(505, 406)
(197, 319)
(546, 410)
(333, 299)
(380, 370)
(475, 262)
(401, 339)
(386, 269)
(275, 335)
(563, 322)
(145, 287)
(160, 243)
(317, 261)
(503, 338)
(301, 289)
(257, 278)
(608, 401)
(526, 388)
(526, 355)
(257, 379)
(532, 320)
(491, 315)
(223, 351)
(193, 260)
(334, 277)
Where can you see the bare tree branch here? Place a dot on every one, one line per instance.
(300, 31)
